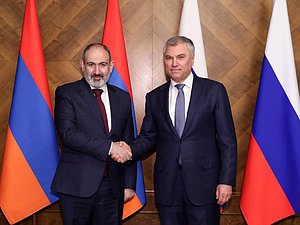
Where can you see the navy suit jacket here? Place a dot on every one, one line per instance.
(85, 144)
(208, 143)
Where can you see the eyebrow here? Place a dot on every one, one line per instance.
(98, 63)
(181, 54)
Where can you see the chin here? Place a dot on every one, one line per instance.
(176, 77)
(98, 84)
(95, 83)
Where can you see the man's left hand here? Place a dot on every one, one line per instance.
(128, 194)
(223, 193)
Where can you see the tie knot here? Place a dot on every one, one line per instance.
(98, 92)
(179, 86)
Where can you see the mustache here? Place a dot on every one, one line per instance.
(97, 75)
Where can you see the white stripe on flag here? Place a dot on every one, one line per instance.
(190, 27)
(279, 51)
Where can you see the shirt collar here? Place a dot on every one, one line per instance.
(187, 82)
(103, 88)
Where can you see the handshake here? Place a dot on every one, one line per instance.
(120, 152)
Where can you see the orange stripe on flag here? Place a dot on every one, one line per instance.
(129, 209)
(18, 182)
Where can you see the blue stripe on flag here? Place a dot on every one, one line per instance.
(277, 131)
(140, 186)
(116, 80)
(32, 125)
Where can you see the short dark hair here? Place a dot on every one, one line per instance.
(96, 44)
(173, 41)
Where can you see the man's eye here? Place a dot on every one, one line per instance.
(103, 64)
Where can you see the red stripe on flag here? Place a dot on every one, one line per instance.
(262, 191)
(19, 185)
(114, 39)
(31, 50)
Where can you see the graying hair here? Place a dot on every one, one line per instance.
(173, 41)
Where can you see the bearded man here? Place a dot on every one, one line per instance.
(90, 117)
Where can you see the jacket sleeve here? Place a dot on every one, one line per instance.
(226, 138)
(147, 137)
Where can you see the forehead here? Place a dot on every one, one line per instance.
(178, 49)
(96, 53)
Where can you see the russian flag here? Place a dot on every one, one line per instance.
(113, 38)
(31, 151)
(271, 185)
(190, 27)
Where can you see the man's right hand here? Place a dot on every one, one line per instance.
(120, 152)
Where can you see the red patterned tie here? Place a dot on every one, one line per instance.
(98, 93)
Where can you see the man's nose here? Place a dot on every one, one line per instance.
(174, 62)
(97, 69)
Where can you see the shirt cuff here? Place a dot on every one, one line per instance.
(109, 152)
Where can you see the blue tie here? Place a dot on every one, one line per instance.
(179, 110)
(179, 114)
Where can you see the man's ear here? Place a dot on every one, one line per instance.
(82, 67)
(193, 58)
(111, 65)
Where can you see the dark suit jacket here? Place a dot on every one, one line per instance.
(85, 144)
(208, 143)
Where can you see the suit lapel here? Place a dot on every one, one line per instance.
(114, 104)
(88, 96)
(164, 106)
(195, 102)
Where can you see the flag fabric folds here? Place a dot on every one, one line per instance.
(271, 185)
(190, 27)
(31, 150)
(113, 38)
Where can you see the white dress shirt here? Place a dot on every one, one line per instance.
(173, 92)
